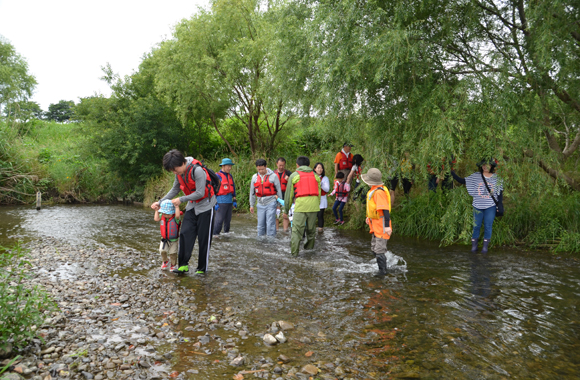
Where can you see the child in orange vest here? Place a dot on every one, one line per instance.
(378, 216)
(169, 217)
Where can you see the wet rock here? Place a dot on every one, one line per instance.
(204, 339)
(339, 371)
(280, 337)
(88, 375)
(305, 339)
(309, 369)
(12, 376)
(285, 325)
(49, 350)
(270, 340)
(5, 350)
(284, 359)
(238, 361)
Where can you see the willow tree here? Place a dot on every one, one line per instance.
(469, 78)
(218, 66)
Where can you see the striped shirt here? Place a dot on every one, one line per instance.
(476, 188)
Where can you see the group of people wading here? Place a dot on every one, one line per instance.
(299, 199)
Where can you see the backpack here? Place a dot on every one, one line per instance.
(215, 179)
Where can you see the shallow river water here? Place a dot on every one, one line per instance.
(448, 314)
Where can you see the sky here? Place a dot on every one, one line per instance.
(66, 42)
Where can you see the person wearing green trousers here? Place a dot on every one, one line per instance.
(303, 189)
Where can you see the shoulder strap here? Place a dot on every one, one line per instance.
(488, 190)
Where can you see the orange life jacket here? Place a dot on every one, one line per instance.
(227, 184)
(264, 189)
(345, 162)
(283, 180)
(306, 186)
(188, 186)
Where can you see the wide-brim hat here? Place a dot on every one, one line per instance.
(226, 161)
(373, 177)
(167, 207)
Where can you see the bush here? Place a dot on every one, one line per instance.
(22, 305)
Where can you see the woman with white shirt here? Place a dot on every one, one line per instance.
(483, 186)
(324, 188)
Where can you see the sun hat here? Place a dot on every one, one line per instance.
(373, 177)
(226, 161)
(167, 207)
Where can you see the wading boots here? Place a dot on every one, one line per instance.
(485, 245)
(474, 245)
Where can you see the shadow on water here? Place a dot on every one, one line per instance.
(447, 314)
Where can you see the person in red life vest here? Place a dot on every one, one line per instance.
(324, 189)
(355, 172)
(264, 190)
(169, 217)
(226, 198)
(341, 189)
(283, 175)
(344, 160)
(304, 191)
(194, 180)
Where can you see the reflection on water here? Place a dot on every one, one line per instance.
(445, 314)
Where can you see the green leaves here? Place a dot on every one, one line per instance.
(15, 82)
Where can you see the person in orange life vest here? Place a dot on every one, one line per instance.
(197, 221)
(378, 216)
(341, 189)
(304, 191)
(283, 175)
(264, 190)
(226, 198)
(169, 217)
(343, 160)
(355, 172)
(324, 189)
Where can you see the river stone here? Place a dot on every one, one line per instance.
(269, 339)
(49, 350)
(280, 337)
(284, 359)
(309, 369)
(237, 362)
(5, 350)
(12, 376)
(88, 375)
(285, 325)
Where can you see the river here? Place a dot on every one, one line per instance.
(446, 314)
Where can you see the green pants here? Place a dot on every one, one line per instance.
(301, 221)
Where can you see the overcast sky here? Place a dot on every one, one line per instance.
(65, 42)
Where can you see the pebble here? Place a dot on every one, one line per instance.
(280, 337)
(238, 361)
(269, 339)
(309, 369)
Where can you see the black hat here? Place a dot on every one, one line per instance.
(346, 143)
(489, 161)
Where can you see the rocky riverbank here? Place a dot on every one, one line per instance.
(119, 318)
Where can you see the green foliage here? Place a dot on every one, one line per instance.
(61, 112)
(23, 305)
(15, 82)
(23, 111)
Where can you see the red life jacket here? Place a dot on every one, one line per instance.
(341, 190)
(357, 172)
(227, 184)
(306, 186)
(345, 162)
(187, 185)
(283, 180)
(322, 192)
(264, 189)
(169, 228)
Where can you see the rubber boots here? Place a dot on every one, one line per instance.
(474, 245)
(382, 263)
(485, 245)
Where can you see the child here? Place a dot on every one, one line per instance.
(341, 189)
(378, 216)
(170, 218)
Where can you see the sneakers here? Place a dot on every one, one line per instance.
(165, 265)
(341, 222)
(200, 272)
(337, 221)
(173, 267)
(181, 270)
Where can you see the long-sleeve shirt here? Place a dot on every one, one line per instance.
(325, 186)
(199, 177)
(346, 189)
(273, 178)
(477, 189)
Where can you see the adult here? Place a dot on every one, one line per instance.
(378, 216)
(484, 207)
(324, 189)
(305, 191)
(265, 186)
(226, 198)
(194, 180)
(343, 161)
(283, 176)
